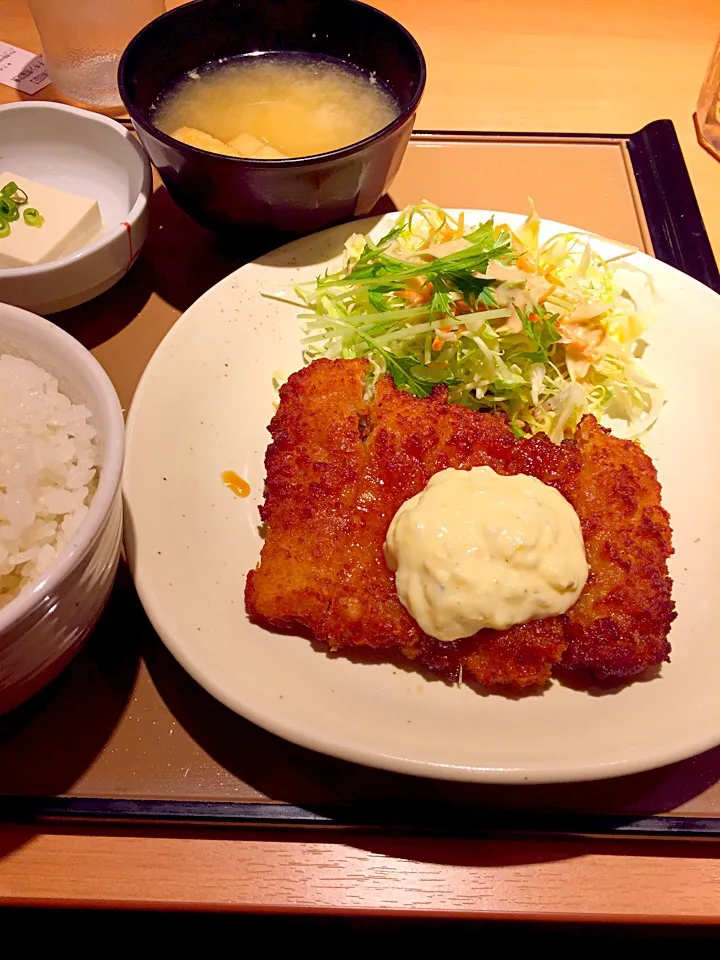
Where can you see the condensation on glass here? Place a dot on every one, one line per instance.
(708, 108)
(83, 41)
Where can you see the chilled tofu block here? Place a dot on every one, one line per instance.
(203, 141)
(249, 146)
(69, 223)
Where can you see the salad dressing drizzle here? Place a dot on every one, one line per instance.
(235, 483)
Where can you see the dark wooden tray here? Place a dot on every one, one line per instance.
(126, 734)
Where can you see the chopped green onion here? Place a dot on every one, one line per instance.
(33, 218)
(12, 197)
(8, 209)
(15, 193)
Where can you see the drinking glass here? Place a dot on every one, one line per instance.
(708, 108)
(83, 41)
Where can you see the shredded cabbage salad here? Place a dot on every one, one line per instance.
(544, 332)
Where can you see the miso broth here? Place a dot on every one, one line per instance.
(272, 106)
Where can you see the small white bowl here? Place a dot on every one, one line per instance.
(87, 154)
(45, 625)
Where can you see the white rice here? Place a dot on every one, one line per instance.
(49, 459)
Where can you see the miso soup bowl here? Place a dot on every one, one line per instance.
(289, 196)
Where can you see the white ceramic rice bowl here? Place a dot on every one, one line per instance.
(45, 626)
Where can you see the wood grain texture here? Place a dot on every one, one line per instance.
(571, 65)
(539, 880)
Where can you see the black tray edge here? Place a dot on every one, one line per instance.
(671, 209)
(446, 820)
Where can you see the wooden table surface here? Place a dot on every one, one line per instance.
(570, 65)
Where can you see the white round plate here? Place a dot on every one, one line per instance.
(203, 407)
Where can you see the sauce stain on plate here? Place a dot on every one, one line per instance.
(235, 483)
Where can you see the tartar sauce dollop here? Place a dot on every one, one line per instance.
(475, 549)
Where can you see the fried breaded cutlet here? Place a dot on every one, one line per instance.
(339, 468)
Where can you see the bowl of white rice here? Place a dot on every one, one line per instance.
(61, 452)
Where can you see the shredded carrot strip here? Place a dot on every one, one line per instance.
(417, 295)
(549, 293)
(525, 264)
(438, 344)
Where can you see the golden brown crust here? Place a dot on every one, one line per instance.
(313, 469)
(621, 621)
(339, 468)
